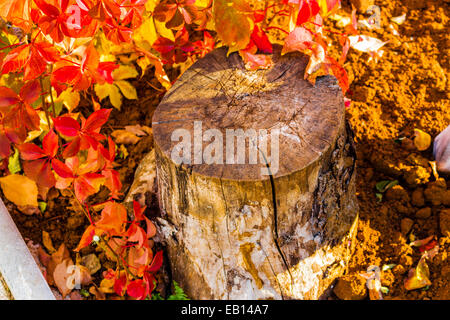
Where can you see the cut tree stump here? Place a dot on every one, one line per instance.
(255, 229)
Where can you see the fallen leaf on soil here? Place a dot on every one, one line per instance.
(97, 293)
(29, 210)
(91, 262)
(20, 190)
(68, 276)
(139, 130)
(75, 295)
(422, 140)
(61, 277)
(56, 258)
(123, 151)
(418, 277)
(107, 285)
(47, 242)
(420, 243)
(44, 257)
(124, 137)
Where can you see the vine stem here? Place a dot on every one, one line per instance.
(102, 239)
(43, 102)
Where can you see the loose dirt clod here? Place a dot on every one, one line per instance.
(351, 287)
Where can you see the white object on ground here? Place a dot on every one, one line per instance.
(17, 266)
(365, 43)
(441, 150)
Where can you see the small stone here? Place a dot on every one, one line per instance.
(436, 192)
(416, 175)
(398, 270)
(397, 193)
(423, 213)
(91, 262)
(444, 222)
(417, 198)
(406, 225)
(351, 287)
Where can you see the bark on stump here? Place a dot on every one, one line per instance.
(232, 231)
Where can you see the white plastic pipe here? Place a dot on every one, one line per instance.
(17, 266)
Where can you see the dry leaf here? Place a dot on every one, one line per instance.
(56, 258)
(107, 285)
(91, 262)
(47, 242)
(29, 210)
(139, 130)
(418, 277)
(61, 276)
(20, 190)
(124, 137)
(422, 140)
(44, 257)
(97, 293)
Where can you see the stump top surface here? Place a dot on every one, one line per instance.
(218, 92)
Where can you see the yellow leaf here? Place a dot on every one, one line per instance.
(70, 99)
(43, 127)
(163, 31)
(150, 5)
(111, 91)
(20, 190)
(143, 63)
(146, 34)
(202, 3)
(125, 72)
(422, 140)
(127, 89)
(233, 23)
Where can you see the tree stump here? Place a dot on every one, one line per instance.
(237, 224)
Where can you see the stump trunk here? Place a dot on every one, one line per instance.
(273, 214)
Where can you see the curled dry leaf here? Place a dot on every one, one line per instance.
(418, 277)
(125, 137)
(422, 140)
(47, 242)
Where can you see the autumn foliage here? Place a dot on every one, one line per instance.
(55, 52)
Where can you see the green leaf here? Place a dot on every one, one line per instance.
(42, 206)
(84, 293)
(379, 196)
(178, 294)
(382, 186)
(14, 162)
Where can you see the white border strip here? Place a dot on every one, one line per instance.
(17, 266)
